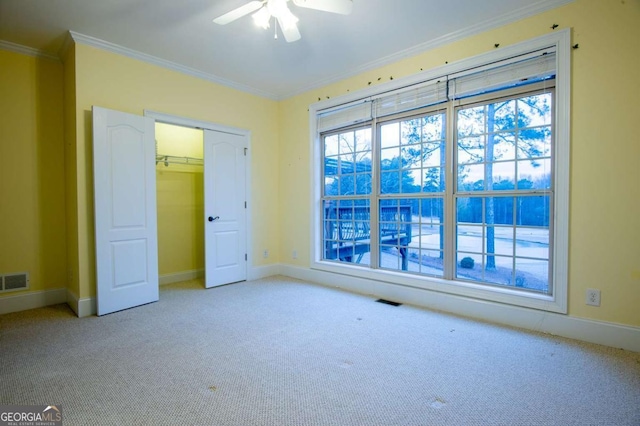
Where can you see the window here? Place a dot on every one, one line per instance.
(504, 191)
(412, 191)
(457, 183)
(347, 188)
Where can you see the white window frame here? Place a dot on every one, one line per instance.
(557, 301)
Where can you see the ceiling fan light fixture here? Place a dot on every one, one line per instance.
(277, 7)
(288, 20)
(261, 18)
(279, 10)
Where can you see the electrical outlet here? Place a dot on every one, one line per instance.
(294, 254)
(593, 297)
(265, 254)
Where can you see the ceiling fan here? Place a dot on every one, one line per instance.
(278, 10)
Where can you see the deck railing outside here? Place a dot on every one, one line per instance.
(348, 232)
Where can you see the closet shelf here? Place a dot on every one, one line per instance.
(172, 159)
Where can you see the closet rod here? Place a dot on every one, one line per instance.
(172, 159)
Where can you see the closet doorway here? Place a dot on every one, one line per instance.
(201, 198)
(180, 202)
(126, 162)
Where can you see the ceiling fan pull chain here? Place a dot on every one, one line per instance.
(275, 26)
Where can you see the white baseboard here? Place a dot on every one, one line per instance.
(32, 300)
(180, 276)
(86, 307)
(599, 332)
(258, 272)
(72, 301)
(253, 273)
(82, 307)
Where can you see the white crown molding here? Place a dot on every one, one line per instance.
(66, 45)
(498, 21)
(125, 51)
(25, 50)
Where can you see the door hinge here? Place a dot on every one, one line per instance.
(245, 151)
(245, 204)
(245, 256)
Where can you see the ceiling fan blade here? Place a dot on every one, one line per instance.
(290, 32)
(342, 7)
(238, 13)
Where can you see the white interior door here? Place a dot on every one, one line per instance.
(125, 210)
(225, 208)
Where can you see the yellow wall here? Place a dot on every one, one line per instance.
(71, 191)
(125, 84)
(32, 198)
(605, 147)
(179, 141)
(180, 200)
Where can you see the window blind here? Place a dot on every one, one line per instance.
(425, 94)
(518, 71)
(344, 115)
(511, 72)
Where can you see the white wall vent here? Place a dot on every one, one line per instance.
(11, 282)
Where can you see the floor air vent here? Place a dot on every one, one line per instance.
(388, 302)
(10, 282)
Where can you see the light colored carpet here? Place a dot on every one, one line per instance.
(282, 352)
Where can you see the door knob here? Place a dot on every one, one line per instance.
(211, 219)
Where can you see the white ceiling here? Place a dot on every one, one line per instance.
(332, 46)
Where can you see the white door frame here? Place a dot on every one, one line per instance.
(160, 117)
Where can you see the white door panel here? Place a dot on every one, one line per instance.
(225, 208)
(128, 186)
(125, 210)
(227, 249)
(129, 262)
